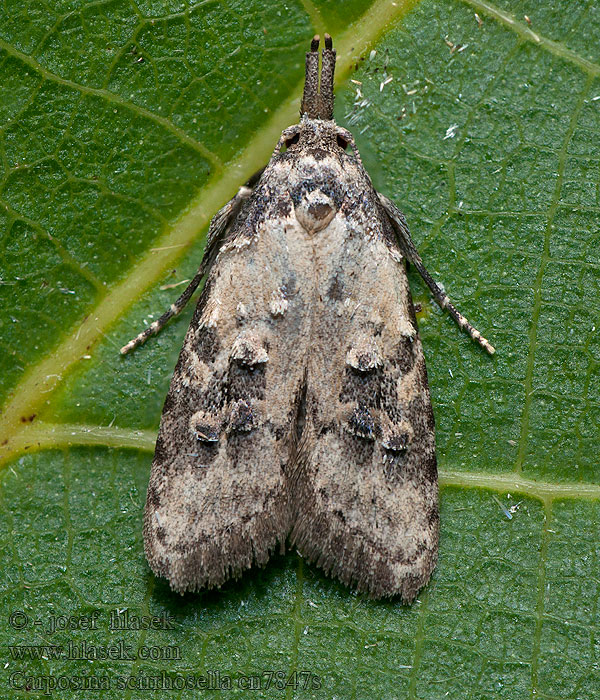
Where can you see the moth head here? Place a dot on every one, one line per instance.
(316, 134)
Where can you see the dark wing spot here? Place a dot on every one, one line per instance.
(152, 497)
(319, 153)
(396, 443)
(205, 427)
(207, 345)
(319, 210)
(169, 402)
(336, 288)
(159, 455)
(362, 387)
(242, 417)
(362, 424)
(404, 355)
(246, 382)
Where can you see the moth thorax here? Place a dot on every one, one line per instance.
(314, 211)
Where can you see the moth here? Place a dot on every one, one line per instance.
(299, 407)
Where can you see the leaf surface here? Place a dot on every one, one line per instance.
(125, 126)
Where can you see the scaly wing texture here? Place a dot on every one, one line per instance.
(217, 498)
(365, 488)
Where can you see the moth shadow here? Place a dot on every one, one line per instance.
(258, 586)
(274, 586)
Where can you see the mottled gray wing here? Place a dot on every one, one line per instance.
(217, 499)
(364, 491)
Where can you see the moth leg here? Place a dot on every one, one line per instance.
(412, 255)
(219, 224)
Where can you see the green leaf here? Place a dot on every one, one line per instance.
(125, 126)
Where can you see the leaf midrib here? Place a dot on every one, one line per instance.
(528, 34)
(42, 435)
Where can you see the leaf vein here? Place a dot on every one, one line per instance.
(114, 99)
(524, 31)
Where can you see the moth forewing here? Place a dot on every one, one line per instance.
(365, 491)
(218, 498)
(299, 405)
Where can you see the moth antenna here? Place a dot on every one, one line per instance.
(326, 88)
(440, 296)
(310, 98)
(173, 310)
(218, 225)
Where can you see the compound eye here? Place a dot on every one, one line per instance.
(341, 142)
(292, 140)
